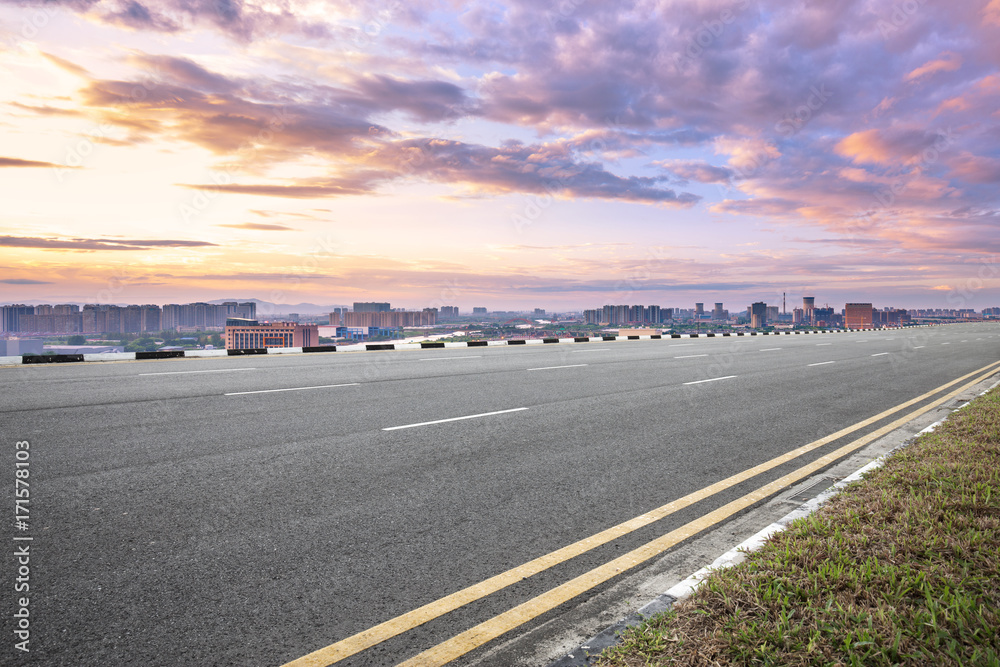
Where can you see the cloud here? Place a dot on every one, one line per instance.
(66, 65)
(16, 162)
(96, 244)
(47, 110)
(259, 226)
(241, 20)
(692, 170)
(948, 62)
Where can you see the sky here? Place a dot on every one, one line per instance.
(514, 154)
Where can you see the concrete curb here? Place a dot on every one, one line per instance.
(584, 655)
(373, 347)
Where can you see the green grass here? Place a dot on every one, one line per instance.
(902, 568)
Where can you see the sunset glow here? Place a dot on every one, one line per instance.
(512, 155)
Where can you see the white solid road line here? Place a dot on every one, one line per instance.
(823, 363)
(725, 377)
(475, 356)
(271, 391)
(549, 368)
(822, 344)
(880, 354)
(218, 370)
(596, 349)
(691, 356)
(452, 419)
(769, 349)
(919, 346)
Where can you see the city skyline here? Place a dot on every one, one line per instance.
(562, 155)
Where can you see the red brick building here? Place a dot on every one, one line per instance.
(858, 316)
(250, 334)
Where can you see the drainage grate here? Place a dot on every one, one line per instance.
(813, 490)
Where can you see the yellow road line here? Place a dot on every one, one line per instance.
(475, 637)
(412, 619)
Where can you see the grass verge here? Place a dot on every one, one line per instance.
(901, 568)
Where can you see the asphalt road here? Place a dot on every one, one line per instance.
(250, 510)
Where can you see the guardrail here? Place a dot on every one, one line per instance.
(373, 347)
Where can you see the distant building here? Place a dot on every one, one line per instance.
(719, 313)
(808, 308)
(449, 311)
(824, 316)
(275, 334)
(10, 316)
(371, 307)
(699, 310)
(49, 322)
(390, 319)
(539, 312)
(858, 315)
(478, 311)
(758, 315)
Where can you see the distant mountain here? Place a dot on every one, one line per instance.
(268, 307)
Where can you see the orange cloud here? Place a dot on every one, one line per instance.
(949, 62)
(866, 146)
(991, 13)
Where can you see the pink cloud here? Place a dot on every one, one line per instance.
(948, 62)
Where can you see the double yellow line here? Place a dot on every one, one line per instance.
(466, 641)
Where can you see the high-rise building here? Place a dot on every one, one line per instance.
(449, 311)
(10, 316)
(823, 316)
(858, 315)
(132, 322)
(170, 316)
(718, 313)
(699, 310)
(371, 307)
(772, 313)
(50, 322)
(758, 315)
(150, 318)
(477, 310)
(391, 319)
